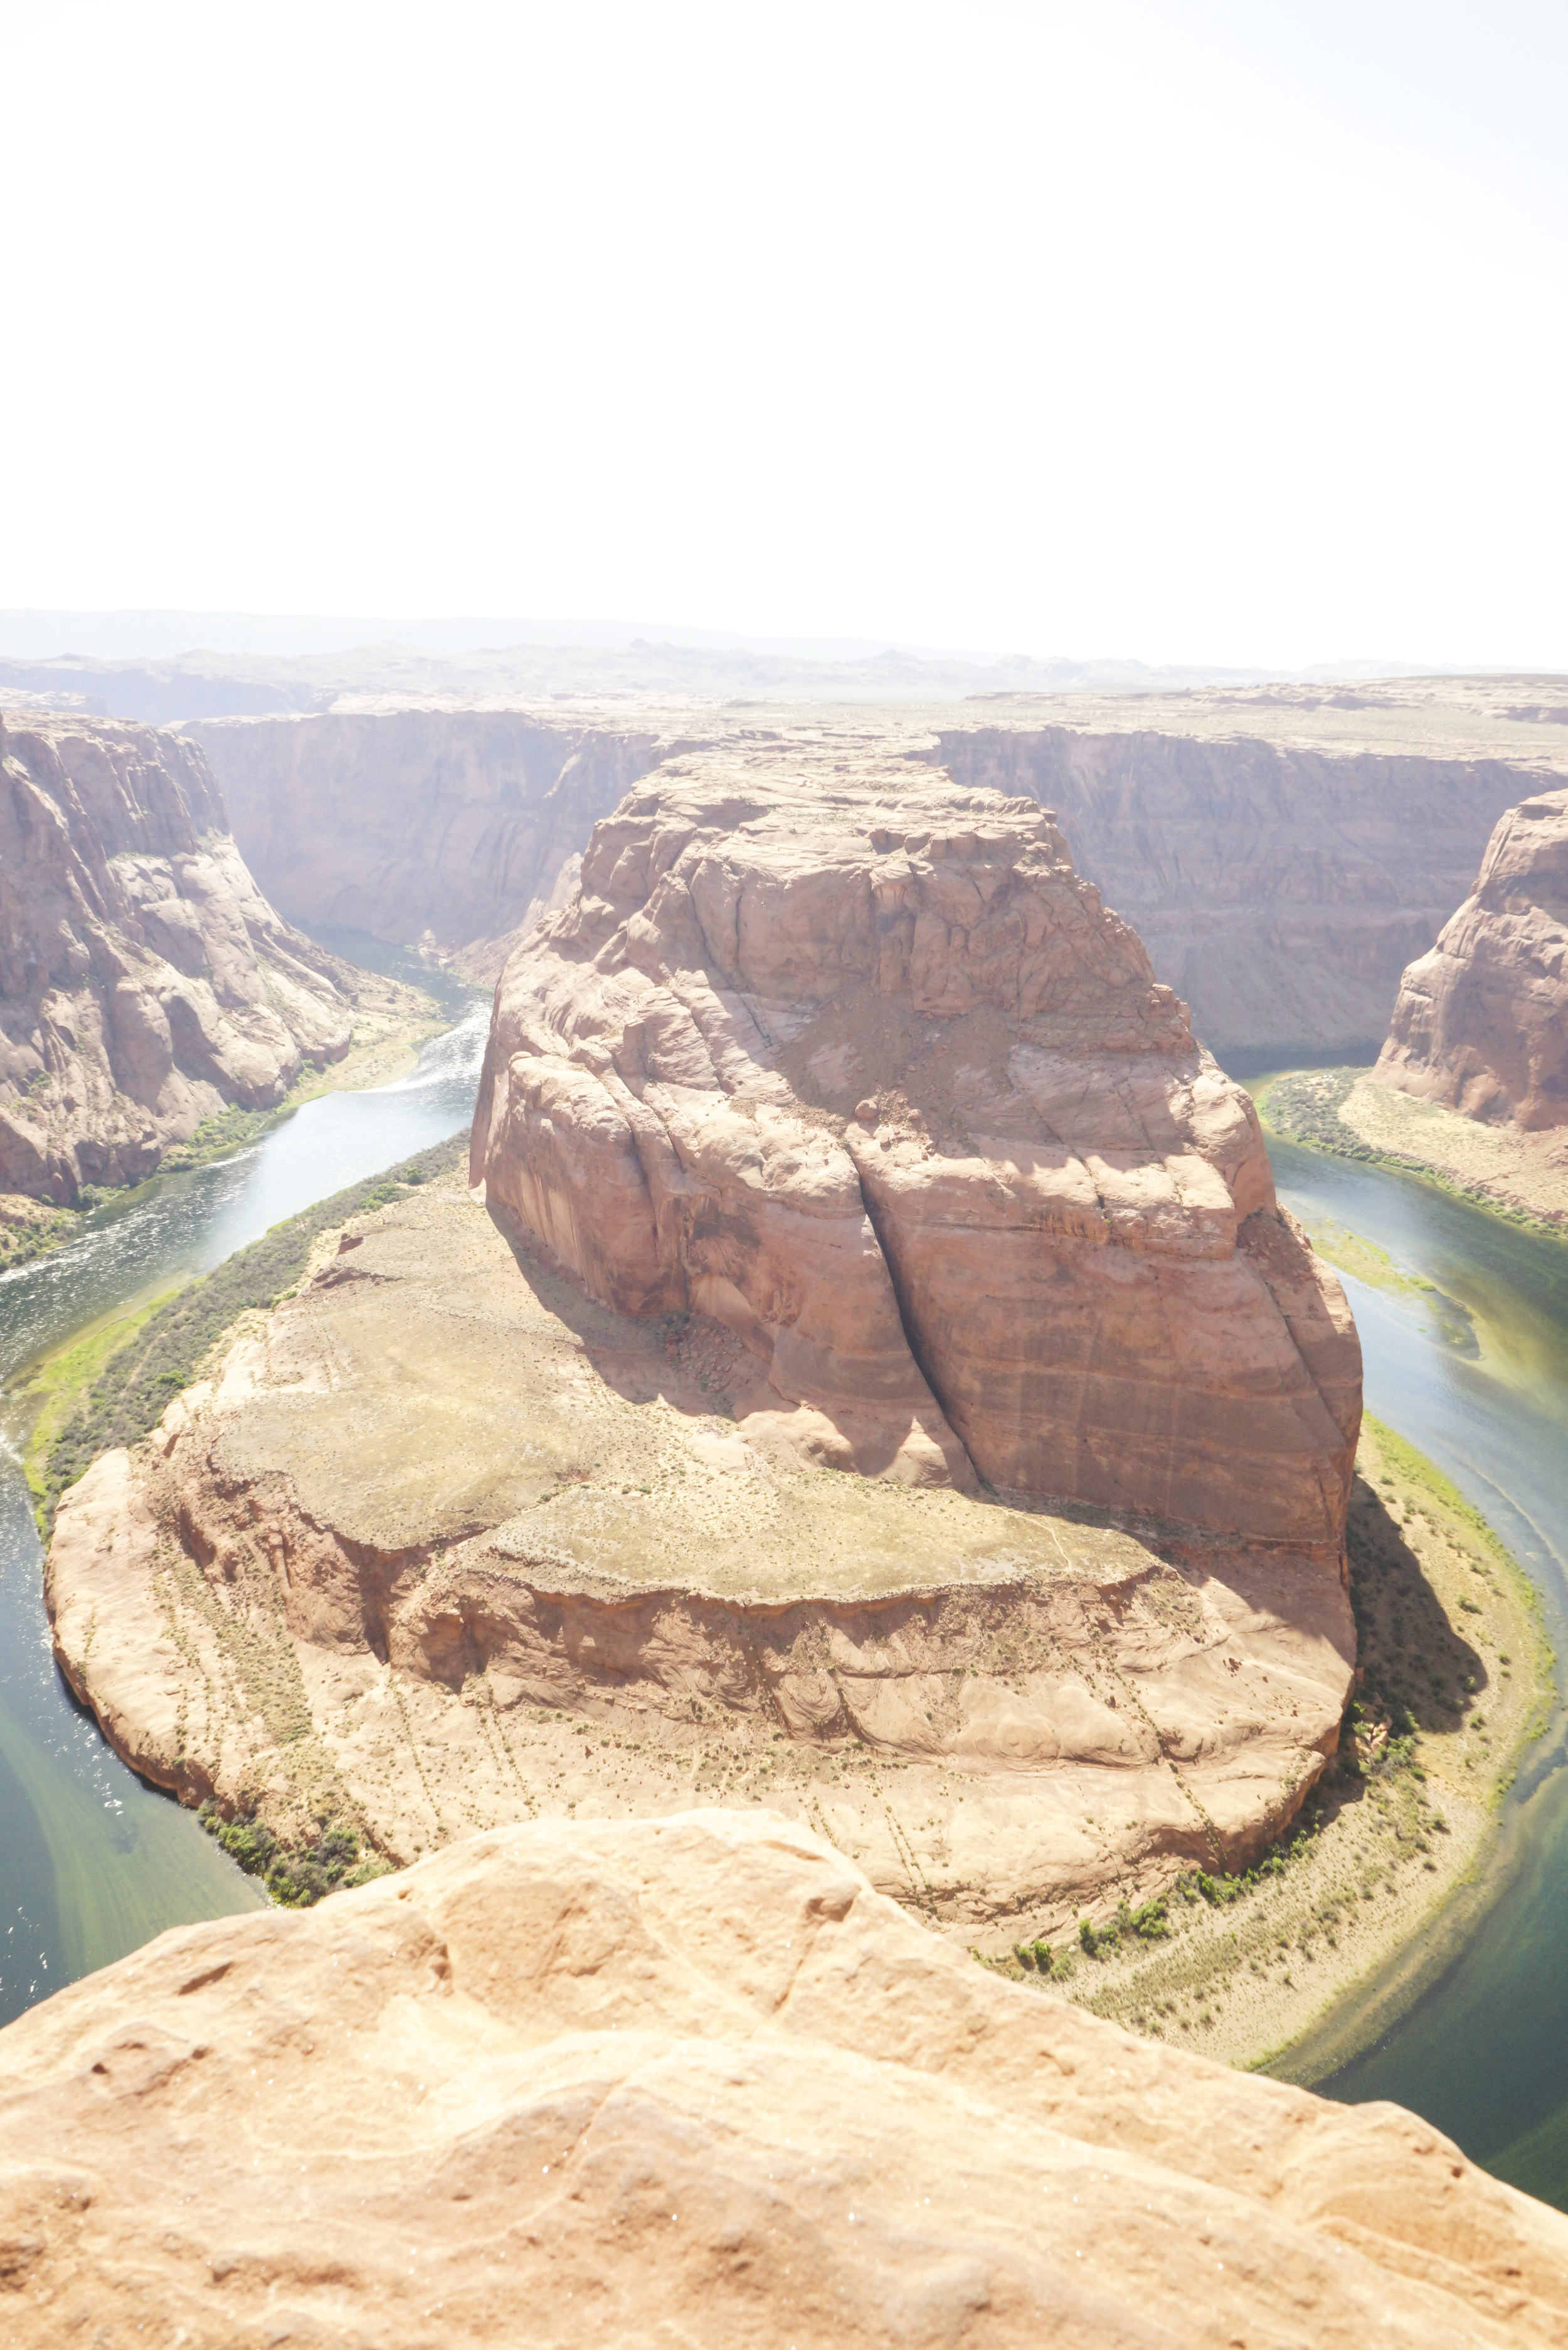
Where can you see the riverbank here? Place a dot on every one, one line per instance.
(1521, 1177)
(1455, 1682)
(110, 1383)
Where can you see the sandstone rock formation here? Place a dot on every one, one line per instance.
(1482, 1021)
(443, 1544)
(1281, 890)
(145, 982)
(872, 1078)
(691, 2081)
(452, 828)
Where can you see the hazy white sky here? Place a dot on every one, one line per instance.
(1209, 331)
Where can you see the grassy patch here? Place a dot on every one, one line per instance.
(159, 1354)
(54, 1390)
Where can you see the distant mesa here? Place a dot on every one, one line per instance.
(1481, 1021)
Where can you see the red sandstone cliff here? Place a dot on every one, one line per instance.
(871, 1076)
(145, 982)
(1482, 1021)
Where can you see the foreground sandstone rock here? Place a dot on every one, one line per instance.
(145, 982)
(452, 828)
(444, 1544)
(873, 1079)
(692, 2081)
(1482, 1021)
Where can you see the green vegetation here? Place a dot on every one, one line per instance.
(294, 1879)
(55, 1388)
(215, 1137)
(124, 1392)
(1302, 1106)
(30, 1227)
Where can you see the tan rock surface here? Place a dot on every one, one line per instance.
(693, 2082)
(145, 982)
(456, 829)
(1482, 1021)
(443, 1544)
(873, 1079)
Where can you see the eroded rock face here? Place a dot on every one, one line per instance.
(1282, 889)
(1482, 1021)
(445, 1546)
(456, 829)
(694, 2079)
(145, 982)
(874, 1079)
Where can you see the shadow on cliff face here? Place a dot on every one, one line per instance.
(696, 1365)
(1413, 1663)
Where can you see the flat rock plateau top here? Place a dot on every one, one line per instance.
(693, 2081)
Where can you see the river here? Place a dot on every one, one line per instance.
(93, 1862)
(1474, 1371)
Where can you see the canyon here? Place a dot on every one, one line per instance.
(1284, 854)
(879, 1380)
(696, 2075)
(147, 984)
(454, 830)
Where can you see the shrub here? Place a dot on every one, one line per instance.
(294, 1879)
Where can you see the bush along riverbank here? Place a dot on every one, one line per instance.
(1454, 1680)
(298, 1877)
(91, 1399)
(1523, 1178)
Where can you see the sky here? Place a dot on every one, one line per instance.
(1203, 332)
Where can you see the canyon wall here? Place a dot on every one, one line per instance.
(452, 829)
(868, 1074)
(693, 2080)
(145, 982)
(1280, 890)
(1481, 1021)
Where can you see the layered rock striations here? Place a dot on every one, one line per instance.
(1282, 889)
(145, 982)
(441, 1544)
(1481, 1021)
(874, 1079)
(693, 2080)
(456, 829)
